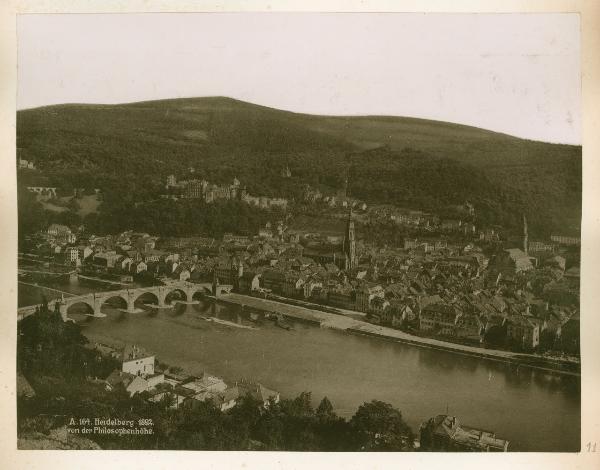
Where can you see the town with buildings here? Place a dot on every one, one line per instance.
(449, 281)
(442, 283)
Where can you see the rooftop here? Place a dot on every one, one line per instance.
(468, 436)
(133, 352)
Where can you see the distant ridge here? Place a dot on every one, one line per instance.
(224, 137)
(219, 101)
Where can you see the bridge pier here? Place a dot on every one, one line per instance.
(131, 302)
(190, 291)
(98, 301)
(161, 295)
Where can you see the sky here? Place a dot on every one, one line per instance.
(513, 73)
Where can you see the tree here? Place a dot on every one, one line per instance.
(334, 434)
(301, 406)
(246, 411)
(32, 217)
(380, 427)
(325, 410)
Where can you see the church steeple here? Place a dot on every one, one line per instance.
(350, 243)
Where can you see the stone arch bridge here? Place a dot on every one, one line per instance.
(97, 299)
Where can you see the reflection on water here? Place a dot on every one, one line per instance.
(535, 410)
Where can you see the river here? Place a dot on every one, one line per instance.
(535, 410)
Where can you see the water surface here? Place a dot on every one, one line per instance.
(535, 410)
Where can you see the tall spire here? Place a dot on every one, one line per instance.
(350, 242)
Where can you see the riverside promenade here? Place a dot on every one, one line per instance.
(353, 325)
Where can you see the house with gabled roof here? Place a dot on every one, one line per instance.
(439, 318)
(365, 295)
(469, 326)
(446, 433)
(523, 331)
(137, 361)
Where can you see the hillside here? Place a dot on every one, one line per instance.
(393, 159)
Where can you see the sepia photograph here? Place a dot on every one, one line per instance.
(308, 232)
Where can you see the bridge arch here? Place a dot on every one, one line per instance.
(175, 292)
(68, 308)
(199, 293)
(137, 298)
(111, 296)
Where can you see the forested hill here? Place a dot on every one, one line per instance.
(392, 159)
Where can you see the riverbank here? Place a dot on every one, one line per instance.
(360, 327)
(353, 323)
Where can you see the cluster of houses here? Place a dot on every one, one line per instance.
(458, 221)
(127, 253)
(521, 298)
(315, 196)
(453, 296)
(431, 286)
(138, 375)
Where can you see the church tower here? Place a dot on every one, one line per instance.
(350, 243)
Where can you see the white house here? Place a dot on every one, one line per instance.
(137, 361)
(125, 263)
(71, 254)
(138, 267)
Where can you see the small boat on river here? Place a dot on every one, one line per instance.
(282, 323)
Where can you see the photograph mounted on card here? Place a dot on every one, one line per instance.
(299, 232)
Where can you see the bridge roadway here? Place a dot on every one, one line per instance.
(95, 300)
